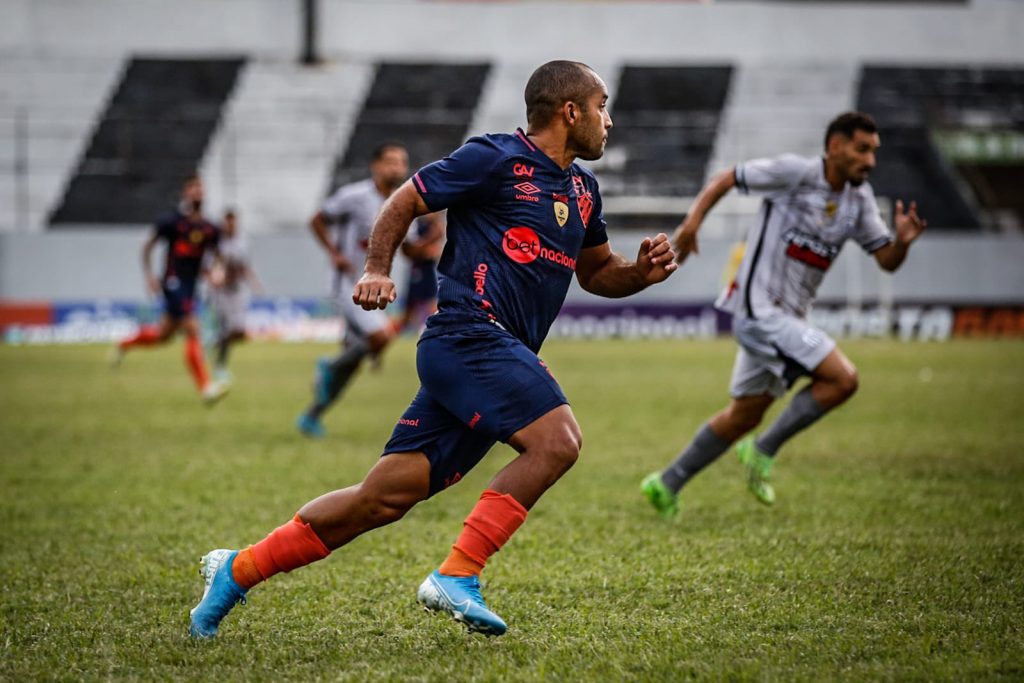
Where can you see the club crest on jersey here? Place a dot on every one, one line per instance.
(561, 213)
(584, 199)
(830, 208)
(196, 236)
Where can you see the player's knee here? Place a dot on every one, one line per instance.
(378, 341)
(848, 383)
(385, 508)
(743, 419)
(563, 450)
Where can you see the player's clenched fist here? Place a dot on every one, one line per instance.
(374, 291)
(655, 259)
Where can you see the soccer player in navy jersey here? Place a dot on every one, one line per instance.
(422, 247)
(188, 236)
(522, 218)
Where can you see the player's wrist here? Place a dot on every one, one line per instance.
(374, 269)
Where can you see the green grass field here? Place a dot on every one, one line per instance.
(894, 552)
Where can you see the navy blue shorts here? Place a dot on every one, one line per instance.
(478, 386)
(179, 299)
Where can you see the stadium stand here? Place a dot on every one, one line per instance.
(781, 108)
(48, 105)
(667, 118)
(915, 104)
(426, 106)
(155, 130)
(276, 147)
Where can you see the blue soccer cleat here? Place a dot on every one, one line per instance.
(310, 426)
(219, 596)
(322, 382)
(460, 597)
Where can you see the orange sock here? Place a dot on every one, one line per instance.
(194, 361)
(492, 522)
(287, 547)
(150, 334)
(244, 569)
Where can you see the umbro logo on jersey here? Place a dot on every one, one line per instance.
(527, 192)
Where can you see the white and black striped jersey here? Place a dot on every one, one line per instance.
(800, 229)
(352, 210)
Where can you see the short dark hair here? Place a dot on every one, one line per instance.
(229, 212)
(380, 150)
(552, 85)
(846, 124)
(190, 177)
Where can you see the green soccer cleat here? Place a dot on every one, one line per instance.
(660, 496)
(759, 470)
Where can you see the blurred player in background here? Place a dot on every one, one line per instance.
(350, 213)
(523, 217)
(423, 248)
(812, 206)
(189, 236)
(231, 279)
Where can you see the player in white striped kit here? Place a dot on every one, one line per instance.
(231, 279)
(811, 207)
(351, 211)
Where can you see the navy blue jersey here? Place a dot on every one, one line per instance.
(516, 224)
(187, 241)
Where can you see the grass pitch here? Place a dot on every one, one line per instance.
(894, 551)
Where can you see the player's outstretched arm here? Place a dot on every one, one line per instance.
(375, 288)
(909, 227)
(685, 237)
(603, 272)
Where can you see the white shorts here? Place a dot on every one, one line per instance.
(774, 352)
(360, 322)
(229, 309)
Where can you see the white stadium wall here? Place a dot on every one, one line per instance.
(984, 30)
(798, 47)
(314, 109)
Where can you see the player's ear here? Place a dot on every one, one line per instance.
(836, 142)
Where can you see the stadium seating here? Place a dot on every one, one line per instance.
(781, 108)
(666, 118)
(273, 138)
(275, 149)
(911, 104)
(427, 107)
(48, 105)
(155, 130)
